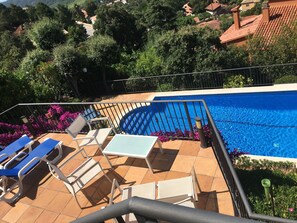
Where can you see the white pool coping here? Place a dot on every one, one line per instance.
(274, 88)
(273, 158)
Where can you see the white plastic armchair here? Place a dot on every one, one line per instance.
(80, 176)
(94, 136)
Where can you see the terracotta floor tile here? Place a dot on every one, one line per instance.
(45, 197)
(204, 183)
(219, 173)
(183, 164)
(205, 166)
(64, 219)
(16, 212)
(174, 175)
(154, 177)
(219, 185)
(30, 215)
(206, 152)
(189, 148)
(212, 205)
(4, 208)
(59, 202)
(54, 203)
(72, 208)
(172, 144)
(31, 195)
(202, 201)
(135, 174)
(47, 216)
(163, 162)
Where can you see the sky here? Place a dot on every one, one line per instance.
(2, 0)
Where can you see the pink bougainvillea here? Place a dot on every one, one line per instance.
(56, 119)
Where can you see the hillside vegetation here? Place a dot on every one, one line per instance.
(24, 3)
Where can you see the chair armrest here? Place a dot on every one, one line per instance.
(84, 137)
(115, 185)
(27, 165)
(16, 157)
(83, 153)
(99, 119)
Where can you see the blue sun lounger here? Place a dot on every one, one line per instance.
(12, 149)
(11, 178)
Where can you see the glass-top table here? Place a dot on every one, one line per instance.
(136, 146)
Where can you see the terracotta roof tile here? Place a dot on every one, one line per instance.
(280, 16)
(213, 6)
(248, 26)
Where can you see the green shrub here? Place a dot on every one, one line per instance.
(236, 81)
(286, 79)
(283, 177)
(165, 87)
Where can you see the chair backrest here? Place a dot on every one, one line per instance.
(76, 126)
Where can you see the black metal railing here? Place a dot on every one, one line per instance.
(173, 119)
(248, 76)
(146, 210)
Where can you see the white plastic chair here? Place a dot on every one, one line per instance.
(78, 178)
(94, 136)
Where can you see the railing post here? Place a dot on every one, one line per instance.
(201, 133)
(189, 119)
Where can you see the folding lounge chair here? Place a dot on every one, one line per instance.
(147, 190)
(24, 167)
(12, 149)
(80, 176)
(94, 137)
(181, 191)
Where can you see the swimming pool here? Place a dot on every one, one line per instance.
(256, 123)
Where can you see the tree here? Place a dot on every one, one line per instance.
(64, 16)
(32, 13)
(116, 22)
(47, 33)
(77, 34)
(70, 63)
(104, 52)
(15, 90)
(39, 72)
(43, 10)
(159, 16)
(12, 51)
(198, 6)
(90, 7)
(182, 20)
(17, 16)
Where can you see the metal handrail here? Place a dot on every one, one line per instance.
(202, 72)
(145, 209)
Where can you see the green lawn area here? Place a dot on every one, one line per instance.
(283, 177)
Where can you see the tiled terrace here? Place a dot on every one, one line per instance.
(47, 200)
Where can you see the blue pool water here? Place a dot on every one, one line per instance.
(257, 123)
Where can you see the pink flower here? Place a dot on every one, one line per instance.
(291, 210)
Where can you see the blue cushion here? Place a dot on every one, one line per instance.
(9, 172)
(15, 147)
(40, 151)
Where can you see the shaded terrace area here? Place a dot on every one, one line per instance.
(47, 200)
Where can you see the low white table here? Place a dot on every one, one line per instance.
(135, 146)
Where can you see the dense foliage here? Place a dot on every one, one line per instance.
(283, 177)
(44, 47)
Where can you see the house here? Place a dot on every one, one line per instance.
(274, 17)
(213, 8)
(248, 4)
(213, 24)
(89, 28)
(188, 9)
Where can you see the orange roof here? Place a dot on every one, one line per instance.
(213, 24)
(280, 16)
(248, 26)
(213, 6)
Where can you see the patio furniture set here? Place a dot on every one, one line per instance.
(19, 159)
